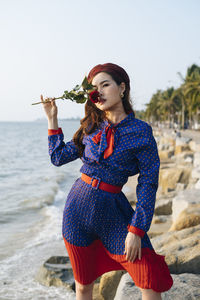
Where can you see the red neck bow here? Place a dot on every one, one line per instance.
(109, 137)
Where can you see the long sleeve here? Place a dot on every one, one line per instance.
(60, 152)
(148, 164)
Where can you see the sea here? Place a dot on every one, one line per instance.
(32, 197)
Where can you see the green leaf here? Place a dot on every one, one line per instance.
(86, 85)
(77, 87)
(85, 82)
(90, 87)
(81, 93)
(73, 92)
(81, 100)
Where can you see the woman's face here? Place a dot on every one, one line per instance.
(110, 92)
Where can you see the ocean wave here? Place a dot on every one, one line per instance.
(31, 209)
(39, 201)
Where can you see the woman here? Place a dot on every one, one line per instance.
(101, 230)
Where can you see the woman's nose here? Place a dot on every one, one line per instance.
(100, 90)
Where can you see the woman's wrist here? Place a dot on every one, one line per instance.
(53, 123)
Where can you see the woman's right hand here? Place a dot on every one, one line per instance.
(50, 108)
(133, 246)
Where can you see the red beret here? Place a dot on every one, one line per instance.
(118, 72)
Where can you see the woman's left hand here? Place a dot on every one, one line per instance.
(132, 246)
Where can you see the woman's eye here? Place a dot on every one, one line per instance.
(106, 85)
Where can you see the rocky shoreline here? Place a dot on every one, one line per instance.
(175, 228)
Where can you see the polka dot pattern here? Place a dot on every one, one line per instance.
(90, 213)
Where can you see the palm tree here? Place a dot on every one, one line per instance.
(180, 100)
(177, 104)
(191, 88)
(152, 112)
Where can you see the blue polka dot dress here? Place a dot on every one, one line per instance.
(96, 222)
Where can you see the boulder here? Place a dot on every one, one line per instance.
(109, 283)
(163, 207)
(159, 219)
(185, 287)
(127, 290)
(181, 249)
(129, 189)
(165, 154)
(187, 218)
(167, 140)
(183, 141)
(182, 201)
(196, 161)
(169, 177)
(159, 225)
(185, 155)
(196, 173)
(56, 271)
(181, 148)
(166, 143)
(197, 185)
(180, 186)
(95, 294)
(194, 146)
(189, 160)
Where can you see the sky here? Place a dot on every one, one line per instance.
(48, 46)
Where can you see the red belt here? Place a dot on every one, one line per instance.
(97, 183)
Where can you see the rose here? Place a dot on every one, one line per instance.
(79, 94)
(94, 96)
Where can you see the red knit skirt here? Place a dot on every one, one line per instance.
(88, 263)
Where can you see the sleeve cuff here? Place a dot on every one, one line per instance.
(136, 230)
(55, 131)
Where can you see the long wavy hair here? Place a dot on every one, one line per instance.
(94, 116)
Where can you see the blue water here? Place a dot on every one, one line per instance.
(32, 198)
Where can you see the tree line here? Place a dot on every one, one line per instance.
(180, 107)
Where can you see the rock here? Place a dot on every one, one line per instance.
(163, 207)
(197, 185)
(185, 154)
(181, 148)
(166, 143)
(182, 201)
(180, 186)
(181, 249)
(196, 173)
(189, 160)
(108, 284)
(165, 154)
(194, 146)
(187, 218)
(185, 287)
(196, 161)
(129, 189)
(161, 147)
(56, 271)
(183, 141)
(159, 219)
(127, 290)
(168, 178)
(167, 164)
(169, 195)
(159, 225)
(95, 294)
